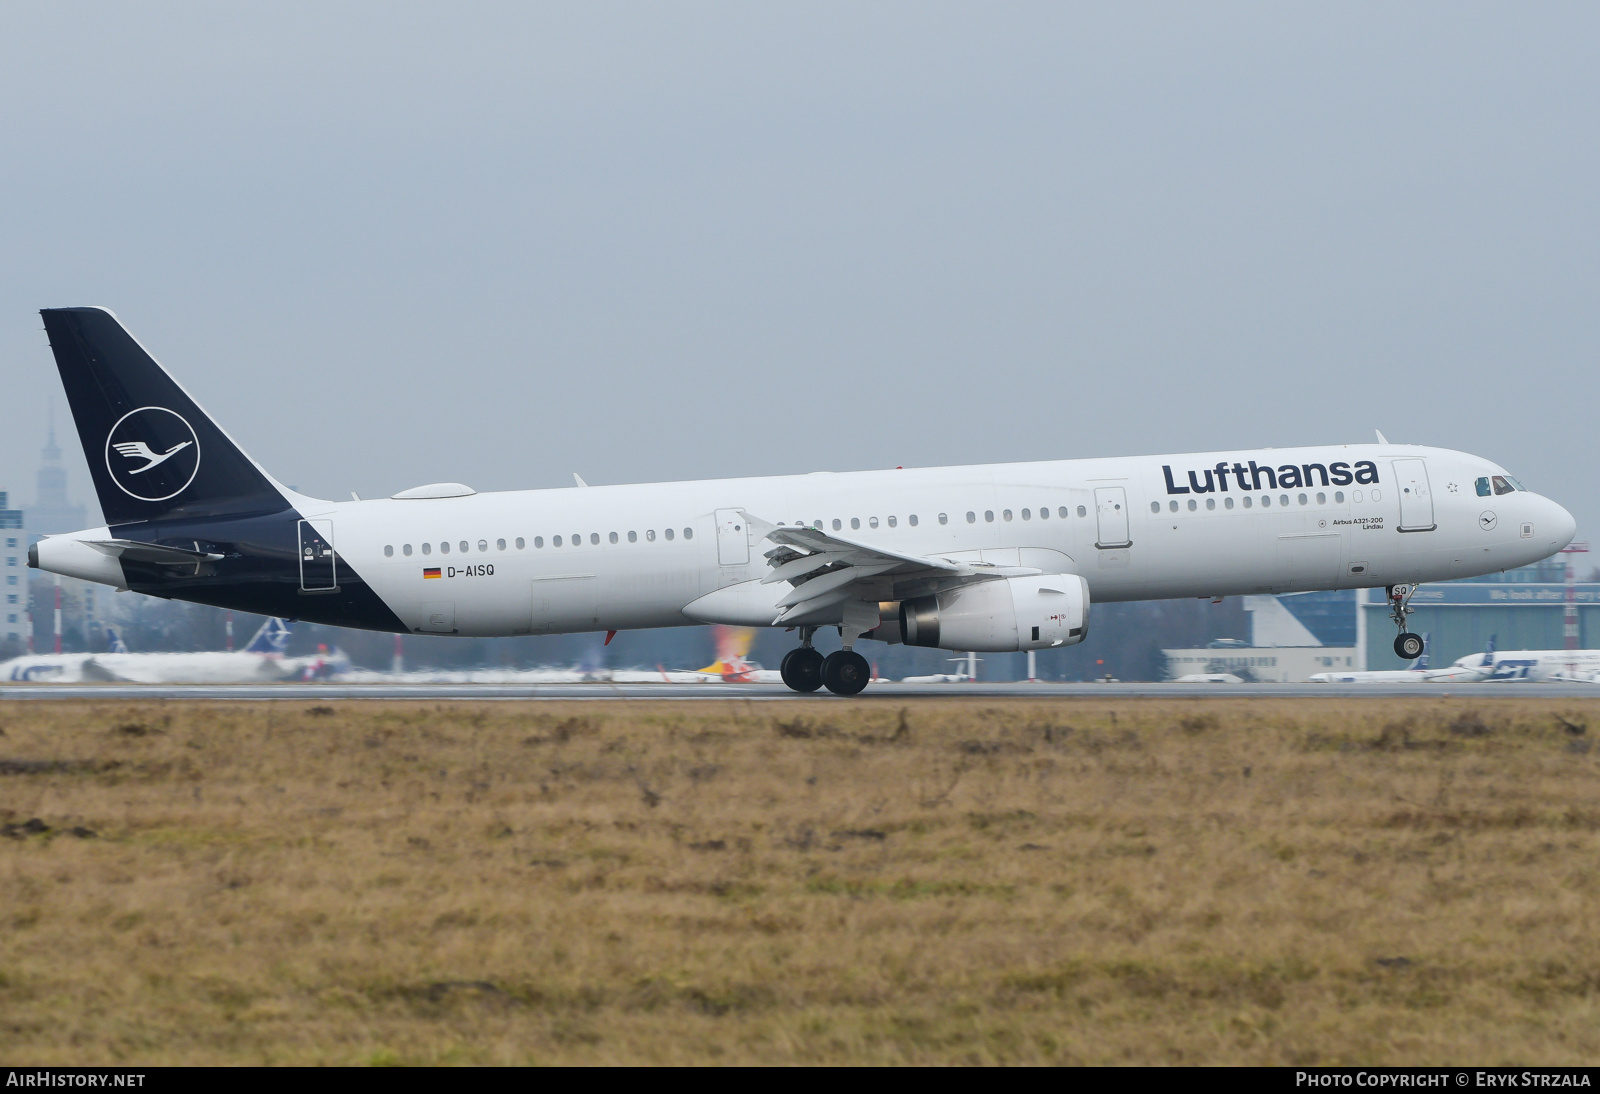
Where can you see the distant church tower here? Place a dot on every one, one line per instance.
(53, 513)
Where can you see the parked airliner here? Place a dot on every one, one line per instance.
(261, 661)
(1581, 666)
(992, 557)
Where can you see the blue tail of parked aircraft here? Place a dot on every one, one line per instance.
(272, 638)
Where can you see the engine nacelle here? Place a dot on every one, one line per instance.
(999, 616)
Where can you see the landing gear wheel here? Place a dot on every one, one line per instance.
(1408, 646)
(845, 672)
(801, 669)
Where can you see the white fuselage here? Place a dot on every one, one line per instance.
(165, 668)
(1534, 665)
(1134, 528)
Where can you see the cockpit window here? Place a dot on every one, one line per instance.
(1502, 485)
(1483, 487)
(1517, 483)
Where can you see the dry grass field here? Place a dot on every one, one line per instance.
(943, 881)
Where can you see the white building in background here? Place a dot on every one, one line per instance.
(52, 512)
(1291, 637)
(13, 579)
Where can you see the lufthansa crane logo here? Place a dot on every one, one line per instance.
(152, 454)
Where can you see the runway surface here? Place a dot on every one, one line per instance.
(882, 690)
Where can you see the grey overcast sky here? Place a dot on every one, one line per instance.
(391, 244)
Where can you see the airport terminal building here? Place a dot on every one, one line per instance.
(13, 580)
(1296, 634)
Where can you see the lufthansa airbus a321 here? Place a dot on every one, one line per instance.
(990, 558)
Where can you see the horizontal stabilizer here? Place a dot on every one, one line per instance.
(156, 553)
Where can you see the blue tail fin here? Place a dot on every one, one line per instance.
(272, 638)
(152, 451)
(114, 642)
(1488, 652)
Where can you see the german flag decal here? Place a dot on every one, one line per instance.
(430, 572)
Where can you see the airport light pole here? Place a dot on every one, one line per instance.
(1569, 623)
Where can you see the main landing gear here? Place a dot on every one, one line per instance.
(1407, 646)
(843, 672)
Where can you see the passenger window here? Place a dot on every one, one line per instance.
(872, 522)
(855, 524)
(1027, 514)
(1322, 499)
(988, 515)
(1155, 507)
(972, 518)
(650, 535)
(538, 542)
(406, 550)
(444, 548)
(555, 541)
(483, 544)
(388, 550)
(913, 519)
(669, 533)
(1303, 499)
(1483, 487)
(688, 533)
(594, 538)
(893, 523)
(500, 545)
(1501, 486)
(613, 537)
(1227, 503)
(427, 548)
(1211, 503)
(1283, 499)
(1338, 497)
(465, 546)
(633, 537)
(1005, 514)
(1082, 512)
(1377, 495)
(1248, 502)
(837, 524)
(1192, 505)
(944, 518)
(1355, 495)
(1172, 505)
(1044, 512)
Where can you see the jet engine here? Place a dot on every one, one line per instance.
(1001, 615)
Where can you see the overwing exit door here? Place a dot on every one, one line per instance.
(317, 573)
(1111, 513)
(733, 538)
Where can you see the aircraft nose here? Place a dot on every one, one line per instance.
(1562, 526)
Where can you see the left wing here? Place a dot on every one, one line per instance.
(827, 572)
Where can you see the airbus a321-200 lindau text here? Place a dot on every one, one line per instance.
(988, 558)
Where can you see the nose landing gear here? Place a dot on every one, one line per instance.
(1407, 646)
